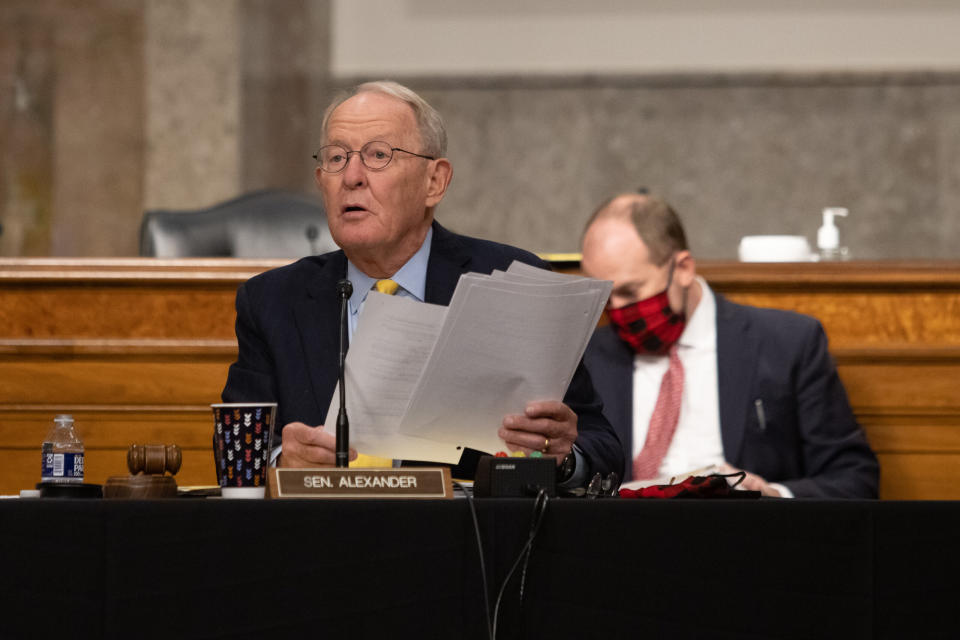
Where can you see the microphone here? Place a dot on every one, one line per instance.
(312, 235)
(344, 291)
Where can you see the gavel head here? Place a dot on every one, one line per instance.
(154, 459)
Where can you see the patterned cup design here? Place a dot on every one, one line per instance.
(243, 439)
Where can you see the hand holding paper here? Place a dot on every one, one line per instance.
(423, 381)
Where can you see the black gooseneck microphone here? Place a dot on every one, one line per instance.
(312, 235)
(344, 291)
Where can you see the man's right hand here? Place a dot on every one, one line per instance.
(306, 446)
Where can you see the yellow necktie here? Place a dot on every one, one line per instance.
(386, 286)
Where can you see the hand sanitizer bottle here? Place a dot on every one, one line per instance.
(828, 236)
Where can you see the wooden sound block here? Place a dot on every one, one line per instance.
(140, 487)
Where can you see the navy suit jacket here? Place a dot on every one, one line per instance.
(811, 442)
(288, 335)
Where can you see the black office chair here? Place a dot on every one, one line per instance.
(262, 224)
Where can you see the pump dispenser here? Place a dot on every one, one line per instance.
(828, 236)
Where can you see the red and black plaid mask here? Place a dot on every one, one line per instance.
(649, 326)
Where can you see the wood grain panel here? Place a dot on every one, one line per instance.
(106, 433)
(863, 319)
(926, 476)
(122, 380)
(912, 433)
(47, 310)
(137, 348)
(832, 277)
(874, 386)
(111, 427)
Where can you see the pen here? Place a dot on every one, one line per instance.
(761, 415)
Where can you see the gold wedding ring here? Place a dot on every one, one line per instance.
(546, 444)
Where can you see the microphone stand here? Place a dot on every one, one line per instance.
(312, 235)
(344, 291)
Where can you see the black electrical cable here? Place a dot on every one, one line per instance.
(539, 509)
(542, 505)
(483, 566)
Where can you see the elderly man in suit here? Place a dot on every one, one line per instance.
(382, 172)
(689, 379)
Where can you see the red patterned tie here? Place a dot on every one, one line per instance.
(663, 422)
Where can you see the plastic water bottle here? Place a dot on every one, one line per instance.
(62, 453)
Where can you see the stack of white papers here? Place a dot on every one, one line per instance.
(423, 381)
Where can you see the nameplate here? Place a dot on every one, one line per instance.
(357, 483)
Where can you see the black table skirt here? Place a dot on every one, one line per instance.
(195, 568)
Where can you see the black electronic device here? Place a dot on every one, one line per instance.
(515, 477)
(69, 490)
(344, 291)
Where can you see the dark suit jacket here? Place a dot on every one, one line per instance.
(288, 334)
(811, 442)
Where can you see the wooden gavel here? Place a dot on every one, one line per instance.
(148, 465)
(154, 459)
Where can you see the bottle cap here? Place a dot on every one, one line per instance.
(828, 236)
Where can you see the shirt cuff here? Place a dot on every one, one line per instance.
(274, 454)
(784, 492)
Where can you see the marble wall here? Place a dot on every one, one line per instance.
(736, 155)
(192, 89)
(71, 118)
(110, 107)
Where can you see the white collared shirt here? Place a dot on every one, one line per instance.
(696, 442)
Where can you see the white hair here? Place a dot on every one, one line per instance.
(433, 133)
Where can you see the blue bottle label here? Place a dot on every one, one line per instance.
(62, 465)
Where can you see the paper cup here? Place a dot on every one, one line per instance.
(242, 440)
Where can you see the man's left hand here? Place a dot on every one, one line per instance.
(549, 427)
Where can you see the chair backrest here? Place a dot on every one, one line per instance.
(262, 224)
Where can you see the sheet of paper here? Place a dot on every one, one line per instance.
(503, 345)
(423, 381)
(520, 272)
(565, 318)
(393, 340)
(603, 287)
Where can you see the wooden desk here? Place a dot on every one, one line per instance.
(136, 349)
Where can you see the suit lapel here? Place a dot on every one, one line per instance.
(737, 351)
(448, 259)
(318, 321)
(618, 402)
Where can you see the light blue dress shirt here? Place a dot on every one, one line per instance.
(412, 278)
(412, 281)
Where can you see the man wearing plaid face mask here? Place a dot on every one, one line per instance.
(689, 379)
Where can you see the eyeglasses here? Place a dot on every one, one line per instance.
(375, 155)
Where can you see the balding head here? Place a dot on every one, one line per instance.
(630, 240)
(655, 221)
